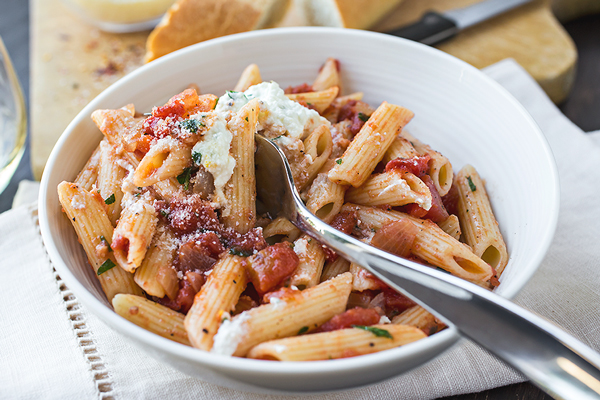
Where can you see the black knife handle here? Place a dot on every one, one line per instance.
(431, 29)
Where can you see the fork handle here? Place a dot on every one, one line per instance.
(555, 361)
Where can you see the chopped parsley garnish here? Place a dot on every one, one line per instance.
(363, 117)
(191, 125)
(216, 102)
(339, 161)
(375, 331)
(102, 238)
(302, 330)
(239, 252)
(246, 119)
(229, 94)
(106, 265)
(185, 177)
(278, 137)
(164, 213)
(110, 199)
(197, 157)
(471, 184)
(148, 114)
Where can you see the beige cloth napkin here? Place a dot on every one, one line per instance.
(53, 348)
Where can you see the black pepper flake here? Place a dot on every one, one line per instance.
(204, 330)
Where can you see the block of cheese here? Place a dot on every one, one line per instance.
(359, 14)
(192, 21)
(530, 34)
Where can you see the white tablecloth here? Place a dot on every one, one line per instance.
(53, 348)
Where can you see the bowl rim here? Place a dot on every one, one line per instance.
(446, 337)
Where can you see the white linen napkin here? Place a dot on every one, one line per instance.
(53, 348)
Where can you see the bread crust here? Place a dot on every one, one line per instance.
(191, 21)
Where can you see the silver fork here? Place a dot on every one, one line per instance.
(555, 361)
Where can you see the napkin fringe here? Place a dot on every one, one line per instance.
(85, 339)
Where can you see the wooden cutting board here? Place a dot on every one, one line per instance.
(72, 62)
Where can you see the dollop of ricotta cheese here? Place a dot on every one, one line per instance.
(214, 151)
(230, 335)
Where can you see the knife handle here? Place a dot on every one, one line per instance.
(431, 29)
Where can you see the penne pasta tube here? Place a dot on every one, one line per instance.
(320, 101)
(304, 310)
(110, 176)
(394, 188)
(440, 169)
(151, 316)
(279, 230)
(134, 233)
(240, 191)
(160, 255)
(401, 147)
(312, 258)
(480, 228)
(167, 158)
(215, 300)
(335, 268)
(370, 144)
(451, 226)
(317, 147)
(361, 279)
(250, 77)
(431, 243)
(341, 343)
(87, 177)
(325, 198)
(329, 75)
(94, 230)
(113, 124)
(420, 318)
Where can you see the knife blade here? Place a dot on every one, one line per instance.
(434, 27)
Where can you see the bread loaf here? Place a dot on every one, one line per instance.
(191, 21)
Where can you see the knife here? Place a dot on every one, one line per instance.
(435, 27)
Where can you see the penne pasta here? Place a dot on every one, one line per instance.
(240, 191)
(319, 101)
(370, 144)
(166, 159)
(394, 188)
(285, 317)
(337, 344)
(335, 268)
(317, 147)
(250, 77)
(215, 301)
(431, 244)
(110, 176)
(94, 230)
(151, 316)
(133, 234)
(480, 228)
(88, 176)
(280, 230)
(312, 258)
(329, 76)
(159, 256)
(451, 226)
(420, 318)
(440, 169)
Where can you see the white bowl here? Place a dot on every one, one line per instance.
(458, 110)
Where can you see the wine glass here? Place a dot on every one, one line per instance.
(13, 119)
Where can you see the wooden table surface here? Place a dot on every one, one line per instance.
(582, 107)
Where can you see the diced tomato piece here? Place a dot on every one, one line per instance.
(272, 266)
(354, 316)
(450, 200)
(302, 88)
(417, 165)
